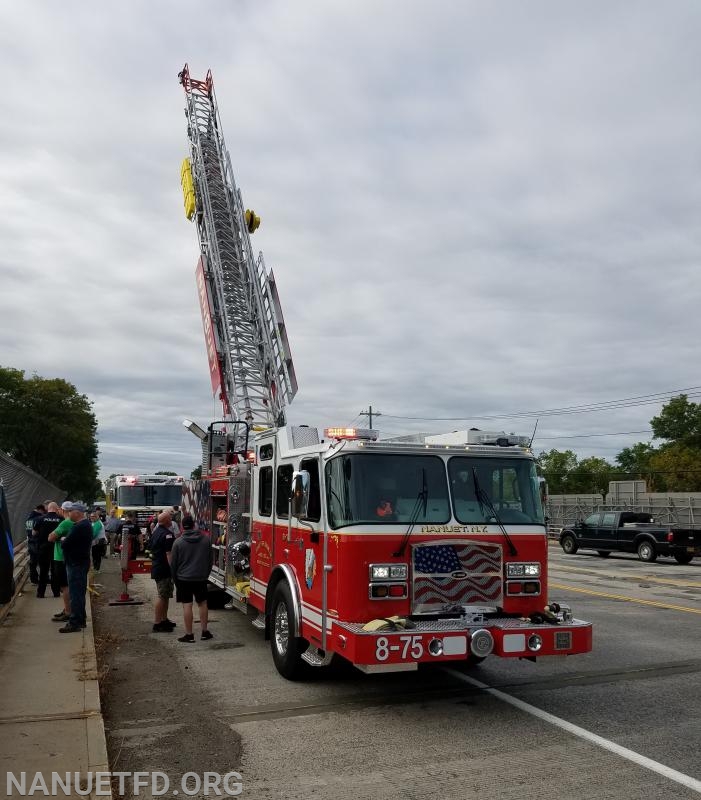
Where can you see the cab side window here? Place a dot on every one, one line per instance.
(592, 520)
(311, 465)
(608, 520)
(265, 492)
(284, 489)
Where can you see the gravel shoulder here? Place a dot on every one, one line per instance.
(159, 715)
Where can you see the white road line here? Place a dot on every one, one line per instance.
(624, 752)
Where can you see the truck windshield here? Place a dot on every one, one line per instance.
(151, 495)
(382, 489)
(511, 483)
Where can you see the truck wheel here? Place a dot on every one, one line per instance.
(286, 649)
(683, 558)
(604, 553)
(646, 551)
(569, 544)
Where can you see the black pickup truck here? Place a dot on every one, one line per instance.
(631, 532)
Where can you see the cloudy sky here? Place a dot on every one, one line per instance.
(472, 209)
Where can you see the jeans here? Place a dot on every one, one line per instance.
(77, 587)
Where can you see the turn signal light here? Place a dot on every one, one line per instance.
(522, 587)
(379, 590)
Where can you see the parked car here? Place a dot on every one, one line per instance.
(631, 532)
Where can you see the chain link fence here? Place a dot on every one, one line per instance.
(23, 490)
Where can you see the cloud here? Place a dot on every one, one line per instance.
(480, 211)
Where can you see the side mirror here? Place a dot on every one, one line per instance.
(299, 494)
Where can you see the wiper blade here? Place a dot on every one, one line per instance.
(420, 503)
(485, 500)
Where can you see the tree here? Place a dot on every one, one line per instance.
(590, 476)
(556, 466)
(47, 425)
(196, 473)
(677, 468)
(636, 464)
(679, 422)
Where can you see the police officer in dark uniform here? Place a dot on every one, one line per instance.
(39, 511)
(43, 526)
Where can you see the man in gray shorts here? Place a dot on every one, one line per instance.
(162, 540)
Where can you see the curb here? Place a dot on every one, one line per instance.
(98, 760)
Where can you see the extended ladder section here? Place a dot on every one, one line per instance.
(255, 364)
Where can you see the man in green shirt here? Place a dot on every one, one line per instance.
(58, 572)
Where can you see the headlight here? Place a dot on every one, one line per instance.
(387, 572)
(517, 570)
(398, 572)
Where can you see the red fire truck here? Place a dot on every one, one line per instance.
(386, 553)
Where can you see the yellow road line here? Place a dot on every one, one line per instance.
(623, 576)
(623, 597)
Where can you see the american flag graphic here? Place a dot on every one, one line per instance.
(456, 573)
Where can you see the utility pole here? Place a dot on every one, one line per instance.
(369, 413)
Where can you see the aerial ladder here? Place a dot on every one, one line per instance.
(249, 355)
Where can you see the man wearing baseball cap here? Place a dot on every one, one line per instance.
(77, 545)
(59, 577)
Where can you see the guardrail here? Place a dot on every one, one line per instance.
(21, 573)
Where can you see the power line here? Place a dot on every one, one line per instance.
(585, 408)
(588, 435)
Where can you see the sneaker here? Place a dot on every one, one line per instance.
(162, 627)
(206, 635)
(170, 622)
(60, 617)
(188, 637)
(70, 629)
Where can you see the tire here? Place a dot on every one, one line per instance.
(286, 649)
(569, 544)
(473, 660)
(646, 551)
(683, 558)
(604, 553)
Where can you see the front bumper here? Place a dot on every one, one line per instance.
(451, 640)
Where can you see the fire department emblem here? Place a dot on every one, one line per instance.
(309, 568)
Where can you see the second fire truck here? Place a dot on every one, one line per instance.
(386, 553)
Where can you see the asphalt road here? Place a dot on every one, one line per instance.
(433, 733)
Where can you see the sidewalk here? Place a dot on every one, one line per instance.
(50, 716)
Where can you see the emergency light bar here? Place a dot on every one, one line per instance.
(350, 433)
(475, 436)
(141, 480)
